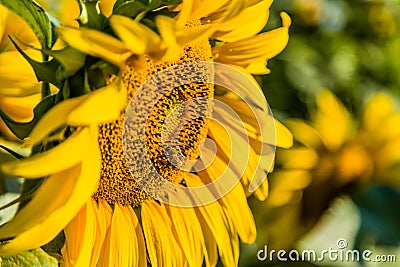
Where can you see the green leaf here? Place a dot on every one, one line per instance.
(54, 247)
(35, 257)
(44, 71)
(78, 84)
(118, 3)
(23, 129)
(71, 61)
(380, 215)
(131, 9)
(35, 16)
(91, 16)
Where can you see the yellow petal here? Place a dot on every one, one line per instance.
(123, 242)
(377, 109)
(304, 133)
(245, 24)
(52, 120)
(3, 19)
(17, 77)
(233, 236)
(66, 11)
(131, 33)
(192, 35)
(211, 245)
(202, 8)
(167, 27)
(284, 185)
(19, 108)
(260, 47)
(230, 11)
(189, 233)
(258, 67)
(262, 192)
(62, 157)
(253, 169)
(184, 13)
(213, 218)
(103, 215)
(102, 105)
(289, 180)
(297, 158)
(96, 44)
(235, 202)
(80, 235)
(332, 121)
(161, 246)
(142, 257)
(46, 229)
(54, 191)
(284, 137)
(35, 228)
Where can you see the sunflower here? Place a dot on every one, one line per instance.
(334, 153)
(88, 187)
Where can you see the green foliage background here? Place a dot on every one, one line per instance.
(351, 47)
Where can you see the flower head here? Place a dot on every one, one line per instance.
(95, 192)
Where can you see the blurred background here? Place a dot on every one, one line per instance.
(337, 87)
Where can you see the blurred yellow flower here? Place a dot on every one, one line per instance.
(334, 153)
(107, 218)
(19, 90)
(334, 149)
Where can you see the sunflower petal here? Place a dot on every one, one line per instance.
(298, 158)
(262, 192)
(161, 244)
(235, 203)
(194, 34)
(80, 188)
(3, 19)
(130, 32)
(17, 77)
(19, 108)
(96, 44)
(80, 236)
(123, 238)
(244, 52)
(212, 217)
(245, 24)
(102, 105)
(53, 119)
(142, 258)
(184, 13)
(103, 218)
(189, 233)
(42, 204)
(62, 157)
(203, 8)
